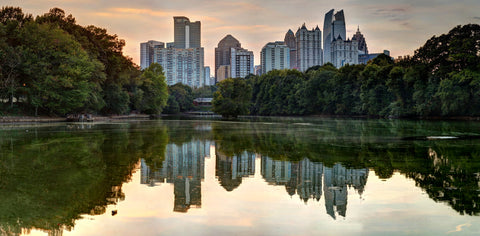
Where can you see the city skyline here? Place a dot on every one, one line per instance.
(400, 26)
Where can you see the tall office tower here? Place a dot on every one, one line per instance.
(362, 44)
(223, 52)
(207, 76)
(333, 26)
(182, 65)
(275, 56)
(309, 47)
(186, 34)
(146, 52)
(338, 26)
(291, 42)
(241, 62)
(223, 73)
(344, 52)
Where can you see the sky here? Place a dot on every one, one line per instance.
(400, 26)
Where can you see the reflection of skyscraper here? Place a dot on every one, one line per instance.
(305, 179)
(184, 167)
(336, 181)
(309, 180)
(231, 170)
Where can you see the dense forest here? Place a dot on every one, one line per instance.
(442, 79)
(51, 65)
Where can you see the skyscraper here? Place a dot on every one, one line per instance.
(184, 66)
(275, 56)
(362, 44)
(291, 42)
(186, 34)
(182, 60)
(333, 26)
(241, 63)
(309, 47)
(147, 51)
(344, 52)
(223, 51)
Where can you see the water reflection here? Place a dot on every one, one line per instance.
(50, 177)
(184, 168)
(231, 169)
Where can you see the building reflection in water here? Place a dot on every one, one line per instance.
(231, 170)
(184, 168)
(305, 179)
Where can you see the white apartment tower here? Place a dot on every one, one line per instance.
(275, 56)
(309, 48)
(146, 52)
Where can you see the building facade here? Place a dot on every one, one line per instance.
(206, 75)
(147, 51)
(344, 52)
(291, 42)
(275, 56)
(333, 26)
(186, 34)
(184, 66)
(241, 63)
(223, 73)
(223, 52)
(183, 59)
(309, 48)
(362, 44)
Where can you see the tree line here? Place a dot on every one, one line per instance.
(51, 65)
(441, 79)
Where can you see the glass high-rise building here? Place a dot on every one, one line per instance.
(223, 53)
(186, 34)
(333, 26)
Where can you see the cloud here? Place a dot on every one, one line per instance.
(459, 228)
(393, 14)
(476, 17)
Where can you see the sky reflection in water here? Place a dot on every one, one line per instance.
(221, 178)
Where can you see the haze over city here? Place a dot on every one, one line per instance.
(400, 26)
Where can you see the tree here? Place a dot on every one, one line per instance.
(180, 98)
(58, 74)
(232, 98)
(155, 92)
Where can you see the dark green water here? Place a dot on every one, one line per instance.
(263, 177)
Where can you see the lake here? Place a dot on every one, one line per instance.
(263, 176)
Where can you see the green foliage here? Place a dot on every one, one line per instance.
(155, 92)
(232, 98)
(59, 75)
(117, 100)
(52, 65)
(180, 99)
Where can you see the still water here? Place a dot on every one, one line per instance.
(252, 177)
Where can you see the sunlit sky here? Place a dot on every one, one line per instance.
(400, 26)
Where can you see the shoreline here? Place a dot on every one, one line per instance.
(47, 119)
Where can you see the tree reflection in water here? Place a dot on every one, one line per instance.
(50, 176)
